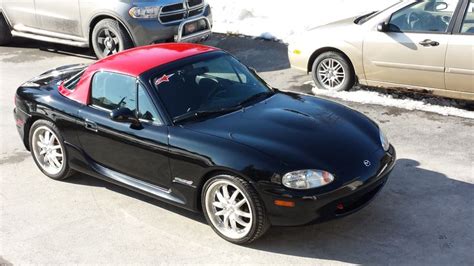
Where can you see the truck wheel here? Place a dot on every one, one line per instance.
(109, 37)
(332, 71)
(5, 32)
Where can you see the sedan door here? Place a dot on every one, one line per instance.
(62, 16)
(460, 56)
(20, 13)
(139, 153)
(410, 51)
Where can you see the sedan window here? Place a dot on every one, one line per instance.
(146, 109)
(216, 84)
(468, 23)
(424, 16)
(111, 91)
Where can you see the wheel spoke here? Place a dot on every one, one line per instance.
(106, 51)
(57, 155)
(234, 196)
(219, 213)
(56, 147)
(107, 33)
(225, 191)
(233, 224)
(240, 203)
(56, 162)
(243, 214)
(218, 204)
(40, 144)
(220, 197)
(240, 221)
(100, 40)
(226, 220)
(116, 40)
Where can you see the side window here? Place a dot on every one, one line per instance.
(468, 22)
(112, 91)
(146, 109)
(424, 16)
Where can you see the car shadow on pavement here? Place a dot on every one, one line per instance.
(58, 49)
(421, 216)
(86, 180)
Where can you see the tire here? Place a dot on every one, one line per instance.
(109, 37)
(257, 223)
(337, 69)
(5, 32)
(40, 127)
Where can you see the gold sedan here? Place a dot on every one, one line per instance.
(426, 46)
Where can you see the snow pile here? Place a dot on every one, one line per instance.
(372, 97)
(281, 19)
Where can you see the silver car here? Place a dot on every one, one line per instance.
(108, 26)
(425, 46)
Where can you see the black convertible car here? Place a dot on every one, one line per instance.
(190, 125)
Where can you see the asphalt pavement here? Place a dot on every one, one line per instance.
(424, 215)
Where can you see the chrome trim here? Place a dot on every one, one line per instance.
(461, 71)
(185, 11)
(138, 184)
(180, 38)
(183, 181)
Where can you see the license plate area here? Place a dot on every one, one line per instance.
(193, 29)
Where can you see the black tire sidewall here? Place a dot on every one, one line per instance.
(113, 26)
(350, 79)
(253, 231)
(65, 172)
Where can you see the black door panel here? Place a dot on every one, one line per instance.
(138, 153)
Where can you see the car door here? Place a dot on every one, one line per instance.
(59, 16)
(140, 153)
(460, 55)
(20, 13)
(410, 50)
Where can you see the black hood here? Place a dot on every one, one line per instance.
(302, 132)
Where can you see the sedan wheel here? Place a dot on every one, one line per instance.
(233, 209)
(332, 71)
(331, 74)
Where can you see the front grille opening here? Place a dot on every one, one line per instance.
(171, 8)
(195, 12)
(171, 18)
(192, 3)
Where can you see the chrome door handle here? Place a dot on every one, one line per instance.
(89, 125)
(429, 42)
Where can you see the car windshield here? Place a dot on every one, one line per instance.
(217, 84)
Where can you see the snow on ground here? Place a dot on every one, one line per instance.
(281, 19)
(372, 97)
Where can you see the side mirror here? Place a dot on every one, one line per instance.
(125, 115)
(382, 27)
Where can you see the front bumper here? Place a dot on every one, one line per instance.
(352, 196)
(145, 32)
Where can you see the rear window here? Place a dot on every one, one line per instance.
(71, 83)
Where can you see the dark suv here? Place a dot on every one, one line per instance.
(106, 26)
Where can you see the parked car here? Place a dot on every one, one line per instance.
(192, 126)
(425, 46)
(106, 26)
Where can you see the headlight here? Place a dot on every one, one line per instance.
(144, 12)
(306, 179)
(384, 141)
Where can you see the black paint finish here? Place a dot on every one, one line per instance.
(260, 143)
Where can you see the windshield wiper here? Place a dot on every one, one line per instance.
(363, 17)
(255, 97)
(203, 113)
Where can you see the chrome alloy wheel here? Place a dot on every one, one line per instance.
(331, 74)
(48, 151)
(228, 209)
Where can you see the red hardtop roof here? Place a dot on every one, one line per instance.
(134, 62)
